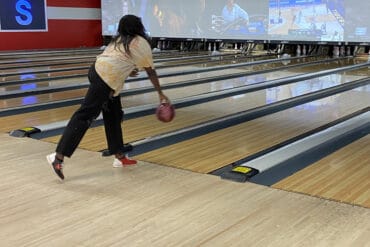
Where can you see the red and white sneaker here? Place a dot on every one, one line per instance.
(56, 164)
(124, 161)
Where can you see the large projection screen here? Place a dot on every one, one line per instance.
(285, 20)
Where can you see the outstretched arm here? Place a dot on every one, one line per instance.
(153, 77)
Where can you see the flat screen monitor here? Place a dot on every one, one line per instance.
(286, 20)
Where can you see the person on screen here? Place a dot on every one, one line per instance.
(336, 36)
(234, 15)
(127, 51)
(197, 23)
(167, 19)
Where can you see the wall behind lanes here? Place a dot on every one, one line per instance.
(71, 24)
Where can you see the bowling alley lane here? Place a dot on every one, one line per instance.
(27, 74)
(76, 93)
(8, 65)
(209, 152)
(46, 66)
(81, 68)
(341, 176)
(44, 98)
(143, 127)
(32, 56)
(52, 59)
(64, 113)
(136, 84)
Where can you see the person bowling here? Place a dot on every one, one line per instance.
(129, 50)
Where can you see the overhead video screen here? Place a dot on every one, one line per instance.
(236, 19)
(357, 25)
(312, 20)
(301, 20)
(192, 18)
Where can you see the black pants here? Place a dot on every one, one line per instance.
(98, 99)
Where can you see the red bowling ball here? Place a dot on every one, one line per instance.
(165, 112)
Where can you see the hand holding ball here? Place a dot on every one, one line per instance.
(165, 112)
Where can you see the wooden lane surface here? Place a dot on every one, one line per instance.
(342, 176)
(72, 94)
(212, 151)
(49, 60)
(31, 56)
(4, 65)
(77, 80)
(64, 113)
(45, 66)
(140, 128)
(9, 123)
(83, 72)
(28, 74)
(15, 56)
(48, 74)
(151, 205)
(129, 85)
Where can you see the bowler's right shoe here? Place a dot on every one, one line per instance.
(56, 164)
(124, 161)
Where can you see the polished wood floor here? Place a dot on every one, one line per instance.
(64, 113)
(207, 153)
(151, 205)
(342, 176)
(169, 199)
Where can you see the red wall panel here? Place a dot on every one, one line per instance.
(74, 3)
(61, 34)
